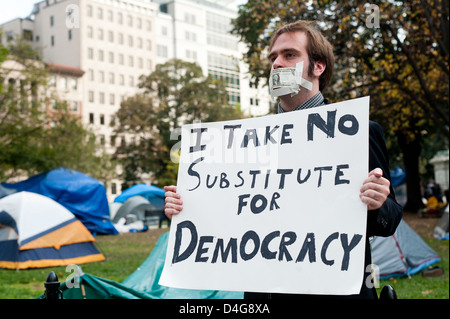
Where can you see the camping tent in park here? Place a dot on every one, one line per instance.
(153, 194)
(402, 254)
(136, 205)
(136, 214)
(441, 229)
(36, 232)
(141, 204)
(141, 284)
(83, 195)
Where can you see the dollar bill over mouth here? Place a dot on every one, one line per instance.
(282, 77)
(284, 81)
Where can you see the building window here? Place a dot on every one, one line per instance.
(130, 61)
(52, 21)
(102, 139)
(111, 78)
(101, 97)
(161, 51)
(90, 53)
(120, 58)
(111, 57)
(63, 83)
(91, 118)
(70, 34)
(112, 99)
(89, 11)
(113, 185)
(101, 76)
(102, 119)
(52, 40)
(91, 99)
(120, 18)
(130, 41)
(110, 36)
(100, 55)
(53, 80)
(190, 54)
(110, 16)
(100, 34)
(90, 32)
(100, 13)
(74, 106)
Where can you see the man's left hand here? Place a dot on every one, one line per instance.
(375, 189)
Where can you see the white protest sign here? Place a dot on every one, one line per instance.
(271, 204)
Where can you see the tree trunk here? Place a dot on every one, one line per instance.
(411, 152)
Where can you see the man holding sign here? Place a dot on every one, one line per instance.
(302, 66)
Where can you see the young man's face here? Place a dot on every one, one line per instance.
(288, 50)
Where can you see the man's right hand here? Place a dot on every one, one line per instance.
(174, 204)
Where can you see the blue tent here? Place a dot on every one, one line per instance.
(398, 176)
(83, 195)
(153, 194)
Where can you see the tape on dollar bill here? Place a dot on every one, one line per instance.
(284, 81)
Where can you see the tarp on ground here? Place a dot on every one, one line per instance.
(37, 232)
(93, 287)
(141, 284)
(403, 254)
(146, 279)
(83, 195)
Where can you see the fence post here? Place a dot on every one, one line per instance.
(52, 290)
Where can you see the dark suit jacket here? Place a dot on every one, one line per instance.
(380, 222)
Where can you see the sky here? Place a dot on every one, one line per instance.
(10, 9)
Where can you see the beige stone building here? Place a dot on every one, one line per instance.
(112, 42)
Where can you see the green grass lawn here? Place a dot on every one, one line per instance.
(125, 252)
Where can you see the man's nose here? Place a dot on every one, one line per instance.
(278, 63)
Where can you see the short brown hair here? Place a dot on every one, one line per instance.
(318, 48)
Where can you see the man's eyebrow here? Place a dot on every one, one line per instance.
(272, 54)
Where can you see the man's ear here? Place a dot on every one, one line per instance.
(319, 68)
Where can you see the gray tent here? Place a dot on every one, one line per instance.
(138, 208)
(441, 229)
(402, 254)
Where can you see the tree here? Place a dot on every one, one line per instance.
(175, 93)
(31, 139)
(396, 52)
